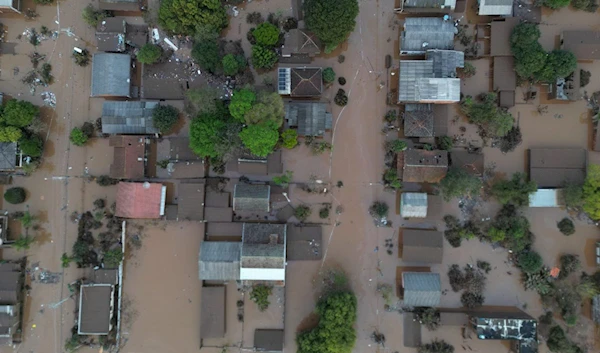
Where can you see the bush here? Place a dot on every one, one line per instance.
(538, 281)
(206, 54)
(459, 183)
(92, 17)
(472, 300)
(568, 264)
(289, 138)
(429, 317)
(341, 98)
(328, 75)
(105, 180)
(149, 54)
(113, 258)
(559, 343)
(302, 212)
(396, 146)
(81, 59)
(468, 71)
(260, 295)
(341, 81)
(566, 226)
(23, 242)
(331, 21)
(379, 209)
(32, 146)
(44, 2)
(556, 4)
(530, 261)
(19, 113)
(260, 139)
(446, 143)
(511, 140)
(318, 148)
(284, 179)
(268, 108)
(77, 137)
(241, 103)
(584, 77)
(391, 179)
(65, 260)
(230, 65)
(99, 204)
(15, 195)
(254, 18)
(165, 117)
(189, 17)
(263, 57)
(455, 232)
(266, 34)
(436, 346)
(324, 212)
(515, 191)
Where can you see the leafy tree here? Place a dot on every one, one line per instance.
(515, 191)
(391, 179)
(472, 300)
(205, 133)
(379, 209)
(260, 139)
(492, 120)
(566, 226)
(511, 140)
(81, 59)
(558, 64)
(44, 2)
(341, 98)
(284, 179)
(328, 75)
(524, 35)
(266, 34)
(556, 4)
(164, 117)
(149, 54)
(331, 21)
(436, 346)
(459, 183)
(446, 143)
(92, 17)
(289, 138)
(15, 195)
(10, 134)
(113, 258)
(65, 260)
(430, 317)
(263, 57)
(187, 16)
(260, 295)
(302, 212)
(396, 146)
(585, 5)
(206, 54)
(19, 113)
(335, 331)
(23, 242)
(530, 261)
(268, 108)
(584, 77)
(230, 65)
(241, 103)
(513, 229)
(32, 146)
(558, 342)
(77, 137)
(573, 195)
(203, 100)
(591, 192)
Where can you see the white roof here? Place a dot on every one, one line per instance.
(262, 274)
(546, 198)
(413, 204)
(495, 7)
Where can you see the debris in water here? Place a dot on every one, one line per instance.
(49, 99)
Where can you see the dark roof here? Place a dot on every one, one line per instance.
(212, 317)
(167, 80)
(191, 202)
(268, 340)
(304, 243)
(8, 156)
(220, 260)
(311, 118)
(473, 163)
(10, 285)
(418, 120)
(422, 33)
(176, 149)
(274, 164)
(299, 41)
(584, 44)
(445, 62)
(224, 229)
(106, 276)
(129, 117)
(411, 330)
(111, 75)
(95, 309)
(285, 213)
(552, 167)
(252, 166)
(216, 199)
(263, 245)
(110, 34)
(136, 35)
(120, 5)
(218, 214)
(419, 245)
(422, 166)
(453, 319)
(505, 78)
(128, 158)
(499, 325)
(306, 82)
(440, 119)
(501, 32)
(506, 99)
(249, 197)
(140, 200)
(421, 289)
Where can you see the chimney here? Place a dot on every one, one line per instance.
(273, 239)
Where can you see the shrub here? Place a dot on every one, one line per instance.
(266, 34)
(267, 109)
(164, 117)
(459, 183)
(99, 204)
(511, 229)
(241, 103)
(391, 179)
(472, 300)
(44, 2)
(149, 54)
(65, 260)
(113, 258)
(77, 137)
(15, 195)
(283, 179)
(189, 17)
(455, 232)
(559, 343)
(430, 317)
(491, 120)
(254, 18)
(537, 281)
(511, 140)
(584, 77)
(515, 191)
(23, 242)
(105, 180)
(331, 21)
(566, 226)
(341, 98)
(324, 212)
(568, 264)
(396, 146)
(230, 65)
(468, 71)
(289, 138)
(341, 81)
(556, 4)
(302, 212)
(591, 192)
(530, 261)
(260, 295)
(379, 209)
(328, 75)
(260, 139)
(92, 17)
(81, 59)
(263, 57)
(446, 143)
(391, 116)
(206, 54)
(32, 146)
(436, 346)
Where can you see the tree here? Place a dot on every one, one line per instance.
(241, 103)
(331, 21)
(260, 139)
(81, 59)
(573, 195)
(284, 179)
(379, 209)
(149, 54)
(328, 75)
(566, 226)
(556, 4)
(523, 36)
(186, 17)
(92, 17)
(591, 192)
(15, 195)
(511, 229)
(164, 117)
(268, 109)
(203, 100)
(472, 300)
(459, 183)
(260, 295)
(206, 54)
(340, 98)
(468, 71)
(445, 142)
(515, 191)
(19, 113)
(302, 212)
(558, 64)
(436, 346)
(391, 179)
(266, 34)
(289, 138)
(77, 137)
(263, 57)
(32, 146)
(230, 65)
(335, 331)
(10, 134)
(492, 120)
(23, 242)
(112, 258)
(585, 5)
(205, 133)
(530, 261)
(430, 317)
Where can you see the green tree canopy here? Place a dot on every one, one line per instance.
(260, 139)
(328, 75)
(515, 191)
(266, 34)
(289, 138)
(335, 332)
(10, 134)
(493, 121)
(32, 146)
(524, 35)
(530, 261)
(263, 57)
(164, 117)
(241, 103)
(19, 113)
(205, 134)
(331, 21)
(591, 192)
(78, 137)
(230, 65)
(149, 54)
(268, 108)
(206, 54)
(186, 16)
(559, 64)
(459, 183)
(556, 4)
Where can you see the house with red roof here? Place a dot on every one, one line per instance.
(141, 200)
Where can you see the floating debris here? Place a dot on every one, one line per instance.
(49, 99)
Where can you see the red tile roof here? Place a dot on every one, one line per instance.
(139, 200)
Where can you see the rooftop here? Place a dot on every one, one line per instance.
(111, 75)
(212, 312)
(421, 289)
(420, 245)
(432, 80)
(130, 117)
(310, 118)
(249, 197)
(413, 204)
(95, 309)
(418, 120)
(472, 163)
(263, 252)
(190, 205)
(422, 166)
(430, 4)
(128, 159)
(552, 167)
(10, 285)
(300, 81)
(501, 31)
(8, 156)
(250, 165)
(495, 7)
(220, 260)
(110, 34)
(120, 5)
(584, 44)
(505, 78)
(513, 325)
(268, 340)
(423, 33)
(299, 41)
(140, 200)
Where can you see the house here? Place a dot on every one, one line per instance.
(309, 118)
(9, 160)
(425, 120)
(420, 245)
(113, 34)
(128, 118)
(181, 161)
(190, 205)
(212, 312)
(216, 207)
(300, 82)
(304, 243)
(251, 165)
(553, 167)
(420, 34)
(263, 253)
(96, 309)
(111, 75)
(501, 30)
(141, 200)
(220, 260)
(547, 198)
(495, 7)
(9, 323)
(129, 159)
(421, 289)
(120, 5)
(568, 88)
(472, 163)
(508, 323)
(422, 166)
(417, 6)
(249, 197)
(432, 80)
(10, 6)
(268, 340)
(11, 301)
(300, 42)
(413, 205)
(505, 80)
(585, 45)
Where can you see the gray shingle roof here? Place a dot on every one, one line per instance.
(422, 33)
(421, 289)
(111, 75)
(220, 260)
(248, 197)
(130, 117)
(311, 118)
(8, 155)
(258, 251)
(445, 62)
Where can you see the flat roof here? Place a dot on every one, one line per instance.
(191, 202)
(95, 309)
(501, 32)
(552, 167)
(505, 77)
(304, 243)
(420, 245)
(218, 214)
(268, 340)
(212, 317)
(584, 44)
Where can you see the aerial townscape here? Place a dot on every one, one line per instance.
(299, 176)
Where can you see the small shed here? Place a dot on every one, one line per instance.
(420, 245)
(546, 198)
(413, 205)
(251, 197)
(421, 289)
(220, 261)
(212, 315)
(268, 340)
(111, 75)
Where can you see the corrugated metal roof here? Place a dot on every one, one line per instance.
(311, 118)
(111, 75)
(445, 62)
(421, 289)
(418, 84)
(129, 117)
(495, 7)
(422, 33)
(249, 197)
(220, 260)
(420, 245)
(428, 4)
(413, 204)
(8, 156)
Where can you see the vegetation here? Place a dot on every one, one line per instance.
(555, 4)
(44, 2)
(566, 226)
(65, 260)
(446, 143)
(231, 65)
(459, 183)
(379, 209)
(530, 261)
(32, 146)
(335, 332)
(468, 71)
(266, 34)
(585, 5)
(491, 120)
(584, 77)
(81, 59)
(149, 54)
(559, 343)
(165, 117)
(105, 180)
(391, 116)
(429, 317)
(260, 139)
(324, 212)
(284, 179)
(254, 18)
(188, 17)
(289, 138)
(511, 229)
(331, 21)
(15, 195)
(27, 219)
(302, 212)
(263, 57)
(396, 146)
(591, 192)
(23, 242)
(206, 133)
(538, 281)
(18, 113)
(113, 258)
(573, 195)
(260, 295)
(92, 17)
(511, 140)
(342, 81)
(267, 109)
(514, 191)
(203, 100)
(77, 137)
(340, 98)
(391, 179)
(241, 103)
(436, 346)
(318, 148)
(328, 75)
(568, 264)
(455, 232)
(206, 54)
